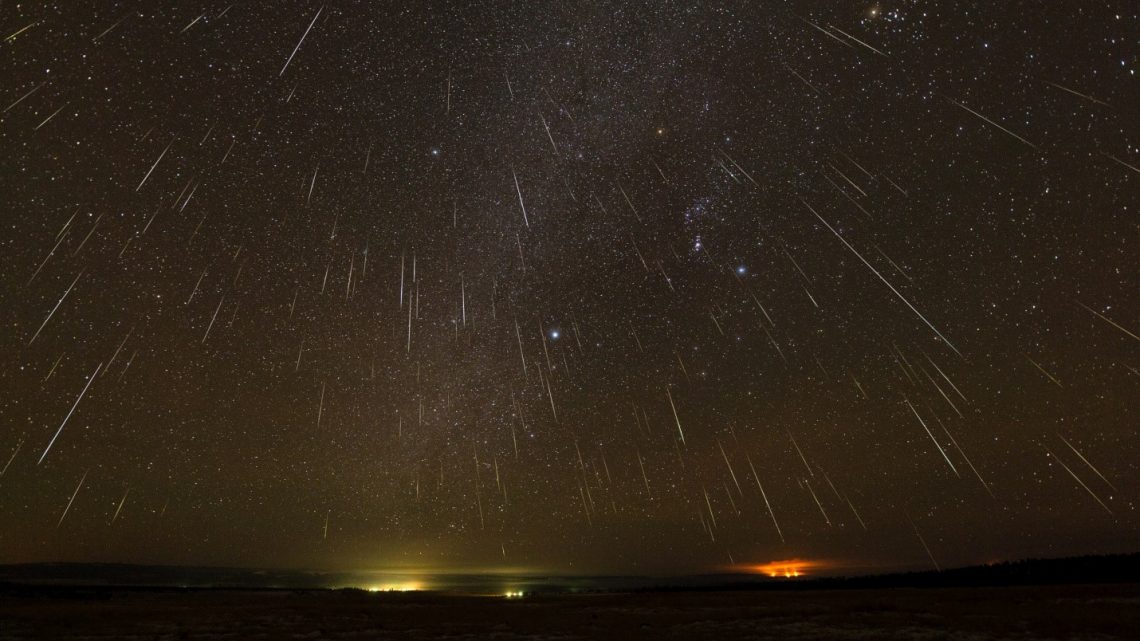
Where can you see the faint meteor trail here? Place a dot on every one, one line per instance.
(926, 547)
(158, 160)
(17, 33)
(1049, 376)
(110, 28)
(192, 23)
(764, 495)
(851, 37)
(57, 304)
(12, 458)
(548, 134)
(1077, 93)
(847, 180)
(827, 33)
(121, 501)
(312, 184)
(522, 206)
(934, 440)
(945, 378)
(962, 453)
(90, 232)
(940, 392)
(896, 186)
(213, 318)
(802, 79)
(54, 365)
(1108, 320)
(956, 103)
(303, 36)
(1075, 477)
(729, 466)
(819, 505)
(856, 513)
(321, 405)
(71, 500)
(21, 98)
(885, 281)
(74, 405)
(53, 115)
(1120, 162)
(1081, 456)
(801, 454)
(62, 235)
(629, 202)
(669, 393)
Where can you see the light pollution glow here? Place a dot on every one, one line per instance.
(419, 587)
(395, 587)
(791, 568)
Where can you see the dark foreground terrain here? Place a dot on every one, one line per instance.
(1022, 613)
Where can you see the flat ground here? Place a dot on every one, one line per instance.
(1021, 613)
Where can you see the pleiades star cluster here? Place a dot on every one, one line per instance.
(636, 287)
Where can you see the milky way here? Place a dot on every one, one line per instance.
(618, 288)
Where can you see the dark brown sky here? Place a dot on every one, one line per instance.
(878, 261)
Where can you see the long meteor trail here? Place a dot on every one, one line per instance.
(880, 276)
(74, 405)
(303, 36)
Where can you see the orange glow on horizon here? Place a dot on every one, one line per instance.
(790, 568)
(395, 587)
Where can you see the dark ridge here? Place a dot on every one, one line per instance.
(99, 581)
(1080, 570)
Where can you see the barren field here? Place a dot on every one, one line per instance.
(1069, 612)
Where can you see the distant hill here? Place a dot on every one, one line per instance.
(1116, 568)
(1099, 569)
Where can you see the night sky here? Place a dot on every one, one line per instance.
(587, 287)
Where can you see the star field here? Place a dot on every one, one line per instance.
(652, 287)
